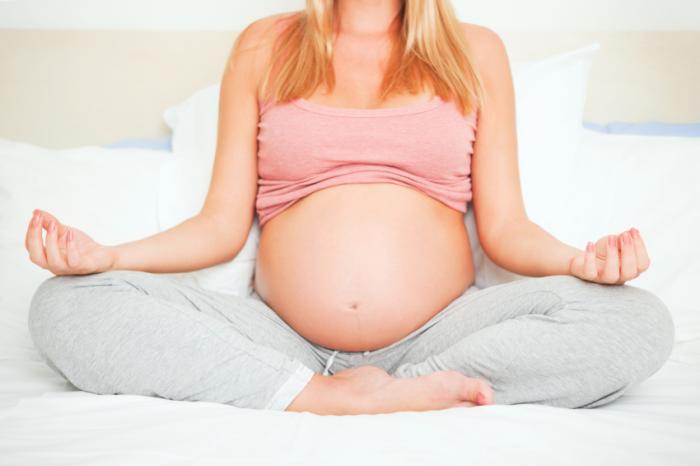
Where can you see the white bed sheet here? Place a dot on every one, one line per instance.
(655, 423)
(45, 421)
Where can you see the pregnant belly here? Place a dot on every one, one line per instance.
(356, 267)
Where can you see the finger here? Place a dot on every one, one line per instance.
(628, 261)
(35, 242)
(62, 242)
(590, 270)
(46, 219)
(485, 395)
(479, 393)
(576, 264)
(56, 262)
(611, 270)
(72, 254)
(640, 251)
(61, 229)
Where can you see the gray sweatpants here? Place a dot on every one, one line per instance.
(555, 340)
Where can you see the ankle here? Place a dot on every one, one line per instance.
(332, 395)
(315, 396)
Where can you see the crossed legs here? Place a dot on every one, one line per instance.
(555, 340)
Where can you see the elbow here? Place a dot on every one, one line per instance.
(237, 243)
(231, 246)
(497, 242)
(491, 251)
(231, 252)
(227, 238)
(489, 245)
(490, 238)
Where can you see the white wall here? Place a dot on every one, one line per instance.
(537, 15)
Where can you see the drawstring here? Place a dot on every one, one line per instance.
(330, 361)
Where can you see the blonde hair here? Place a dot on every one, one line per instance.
(430, 50)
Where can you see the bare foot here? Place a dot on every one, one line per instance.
(371, 390)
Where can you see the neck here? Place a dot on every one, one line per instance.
(369, 17)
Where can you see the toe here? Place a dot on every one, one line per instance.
(477, 391)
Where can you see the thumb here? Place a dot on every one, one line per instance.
(576, 264)
(72, 254)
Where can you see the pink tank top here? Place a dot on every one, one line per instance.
(304, 147)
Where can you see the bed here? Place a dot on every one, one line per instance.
(119, 191)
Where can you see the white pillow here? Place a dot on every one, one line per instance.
(111, 194)
(184, 185)
(649, 182)
(550, 96)
(184, 182)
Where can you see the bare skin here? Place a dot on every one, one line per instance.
(371, 390)
(368, 389)
(219, 231)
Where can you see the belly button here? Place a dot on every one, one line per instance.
(352, 306)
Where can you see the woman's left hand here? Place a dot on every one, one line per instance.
(613, 259)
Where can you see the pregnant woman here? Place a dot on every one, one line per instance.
(350, 128)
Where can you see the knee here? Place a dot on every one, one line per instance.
(631, 334)
(648, 320)
(56, 300)
(639, 319)
(45, 309)
(48, 299)
(637, 331)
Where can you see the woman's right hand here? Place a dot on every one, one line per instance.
(68, 251)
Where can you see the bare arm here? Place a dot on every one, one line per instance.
(507, 235)
(220, 229)
(198, 242)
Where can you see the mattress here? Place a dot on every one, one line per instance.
(45, 421)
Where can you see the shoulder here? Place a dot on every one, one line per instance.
(265, 30)
(257, 38)
(482, 39)
(253, 46)
(486, 45)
